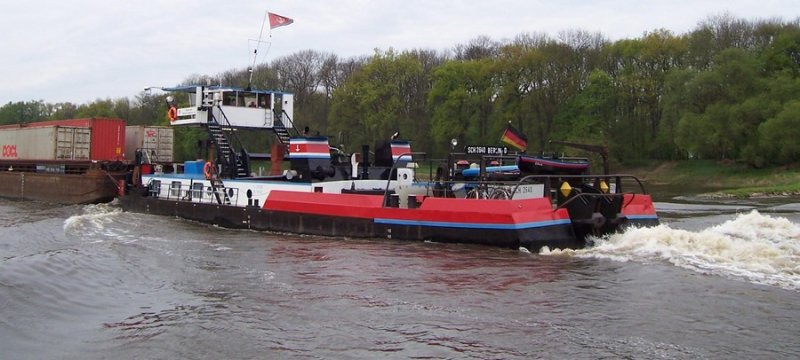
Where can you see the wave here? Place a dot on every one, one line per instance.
(755, 247)
(93, 220)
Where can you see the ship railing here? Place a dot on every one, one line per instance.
(200, 194)
(615, 182)
(485, 189)
(564, 189)
(538, 186)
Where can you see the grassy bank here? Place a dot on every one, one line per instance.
(720, 178)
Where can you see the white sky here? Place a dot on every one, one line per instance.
(82, 50)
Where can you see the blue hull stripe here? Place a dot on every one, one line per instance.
(642, 217)
(528, 225)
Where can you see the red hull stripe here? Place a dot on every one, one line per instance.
(638, 207)
(464, 213)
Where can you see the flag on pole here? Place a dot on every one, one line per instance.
(276, 20)
(514, 138)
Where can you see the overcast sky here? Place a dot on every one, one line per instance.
(82, 50)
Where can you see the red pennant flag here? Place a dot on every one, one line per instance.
(276, 20)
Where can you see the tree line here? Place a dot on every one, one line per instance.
(729, 90)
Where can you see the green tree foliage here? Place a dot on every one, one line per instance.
(590, 116)
(384, 96)
(461, 99)
(24, 112)
(778, 135)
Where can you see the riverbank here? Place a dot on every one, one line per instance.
(715, 179)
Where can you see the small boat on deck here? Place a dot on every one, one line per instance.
(529, 164)
(326, 192)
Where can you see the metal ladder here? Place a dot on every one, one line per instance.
(225, 149)
(218, 188)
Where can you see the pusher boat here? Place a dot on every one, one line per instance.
(327, 192)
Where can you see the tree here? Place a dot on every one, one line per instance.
(378, 100)
(534, 84)
(481, 47)
(779, 135)
(299, 74)
(461, 102)
(24, 112)
(590, 116)
(715, 95)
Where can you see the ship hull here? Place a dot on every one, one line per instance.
(319, 215)
(88, 188)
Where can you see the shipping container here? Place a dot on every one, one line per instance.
(156, 141)
(45, 143)
(108, 135)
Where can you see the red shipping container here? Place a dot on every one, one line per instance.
(108, 135)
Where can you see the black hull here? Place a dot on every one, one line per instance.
(255, 218)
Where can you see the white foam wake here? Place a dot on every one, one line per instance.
(93, 220)
(755, 247)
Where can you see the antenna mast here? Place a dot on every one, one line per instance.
(252, 68)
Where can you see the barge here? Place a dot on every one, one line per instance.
(75, 161)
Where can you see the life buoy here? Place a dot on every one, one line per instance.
(207, 168)
(172, 113)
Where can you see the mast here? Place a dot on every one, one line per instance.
(252, 68)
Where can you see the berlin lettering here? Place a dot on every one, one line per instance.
(485, 150)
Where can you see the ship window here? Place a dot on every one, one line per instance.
(197, 190)
(175, 189)
(229, 98)
(155, 188)
(249, 99)
(263, 101)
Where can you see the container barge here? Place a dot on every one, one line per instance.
(73, 161)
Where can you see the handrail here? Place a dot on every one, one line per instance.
(234, 156)
(188, 194)
(581, 195)
(280, 118)
(618, 178)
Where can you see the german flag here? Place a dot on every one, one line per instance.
(512, 137)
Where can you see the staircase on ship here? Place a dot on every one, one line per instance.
(283, 133)
(231, 154)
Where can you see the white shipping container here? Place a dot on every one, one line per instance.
(46, 143)
(157, 141)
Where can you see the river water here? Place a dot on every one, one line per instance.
(716, 281)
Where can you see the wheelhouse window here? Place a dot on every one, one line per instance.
(250, 99)
(229, 98)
